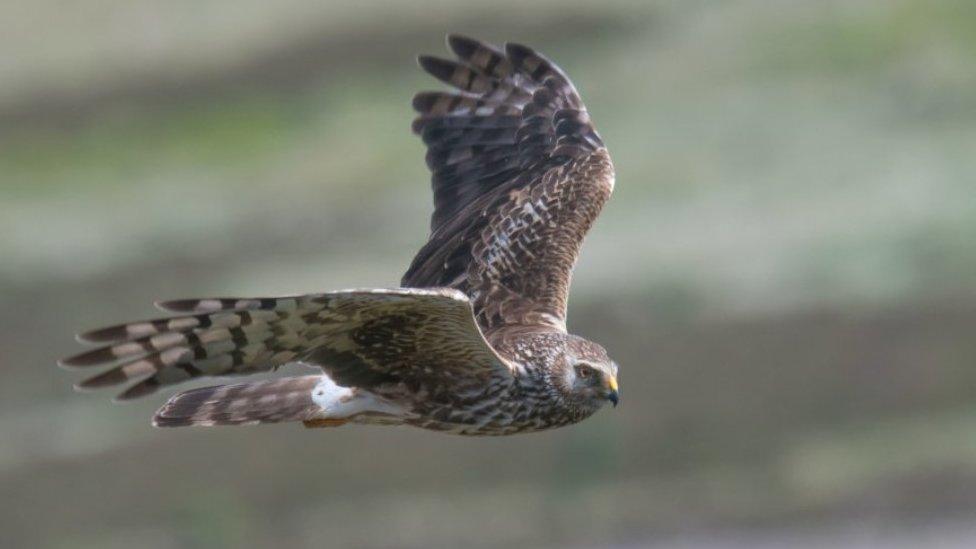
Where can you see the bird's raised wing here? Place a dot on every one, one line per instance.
(519, 176)
(362, 338)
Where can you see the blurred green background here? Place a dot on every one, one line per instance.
(786, 274)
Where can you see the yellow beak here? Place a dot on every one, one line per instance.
(614, 395)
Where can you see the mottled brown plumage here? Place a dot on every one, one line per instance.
(475, 341)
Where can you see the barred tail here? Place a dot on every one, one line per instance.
(210, 337)
(270, 401)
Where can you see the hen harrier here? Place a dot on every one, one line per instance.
(475, 341)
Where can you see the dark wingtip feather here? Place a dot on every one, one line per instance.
(141, 389)
(111, 377)
(418, 124)
(462, 46)
(425, 100)
(88, 358)
(80, 388)
(437, 67)
(177, 305)
(518, 52)
(109, 334)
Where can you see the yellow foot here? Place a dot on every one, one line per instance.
(315, 423)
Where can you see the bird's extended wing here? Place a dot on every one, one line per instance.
(519, 176)
(361, 338)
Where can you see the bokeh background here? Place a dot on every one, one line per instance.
(786, 274)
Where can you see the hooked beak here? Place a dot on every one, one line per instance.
(614, 395)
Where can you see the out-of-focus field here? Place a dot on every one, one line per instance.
(786, 274)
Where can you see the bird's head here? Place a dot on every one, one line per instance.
(587, 378)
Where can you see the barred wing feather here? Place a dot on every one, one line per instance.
(360, 338)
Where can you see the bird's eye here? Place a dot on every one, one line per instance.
(584, 371)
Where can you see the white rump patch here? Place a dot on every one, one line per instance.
(329, 396)
(339, 402)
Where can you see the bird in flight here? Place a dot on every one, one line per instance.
(474, 342)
